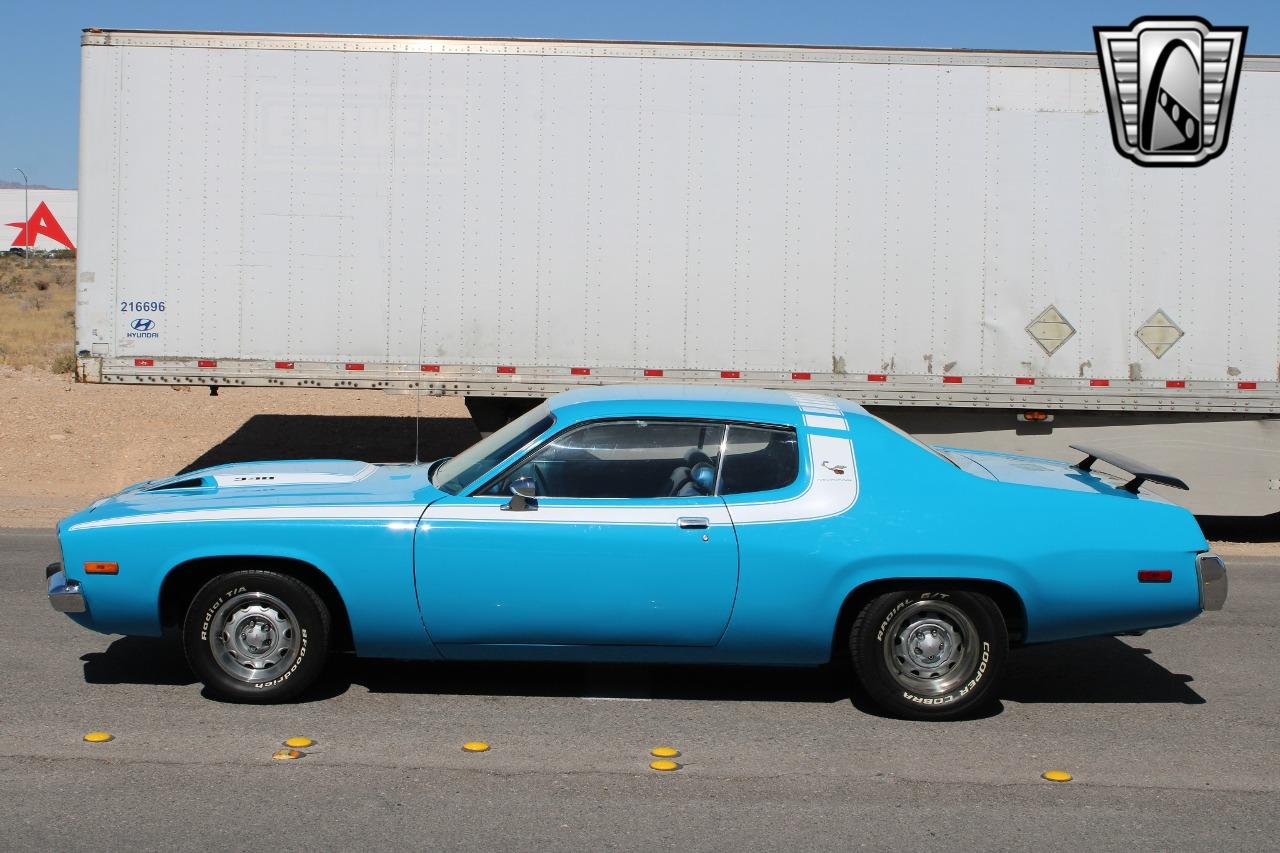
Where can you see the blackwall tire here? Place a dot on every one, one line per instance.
(256, 636)
(929, 654)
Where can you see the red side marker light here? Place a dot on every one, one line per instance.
(877, 377)
(1155, 575)
(430, 368)
(801, 376)
(96, 568)
(506, 368)
(580, 371)
(1099, 383)
(1247, 386)
(731, 374)
(284, 365)
(205, 362)
(1025, 380)
(1176, 383)
(652, 372)
(353, 365)
(953, 380)
(144, 362)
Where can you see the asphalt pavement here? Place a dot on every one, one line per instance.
(1173, 740)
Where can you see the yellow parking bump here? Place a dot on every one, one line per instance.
(1056, 776)
(665, 752)
(286, 754)
(299, 742)
(98, 737)
(663, 764)
(475, 746)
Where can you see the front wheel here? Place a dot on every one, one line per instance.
(929, 654)
(256, 636)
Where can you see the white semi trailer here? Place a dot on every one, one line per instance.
(946, 236)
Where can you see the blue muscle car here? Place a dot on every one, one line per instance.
(659, 524)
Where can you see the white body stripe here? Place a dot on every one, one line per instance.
(608, 511)
(359, 512)
(825, 422)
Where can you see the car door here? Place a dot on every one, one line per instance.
(624, 544)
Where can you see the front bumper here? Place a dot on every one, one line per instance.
(64, 595)
(1212, 575)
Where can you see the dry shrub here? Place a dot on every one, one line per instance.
(36, 319)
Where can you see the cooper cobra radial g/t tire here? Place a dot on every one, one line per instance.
(256, 636)
(929, 654)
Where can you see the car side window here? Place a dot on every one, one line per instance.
(758, 459)
(625, 459)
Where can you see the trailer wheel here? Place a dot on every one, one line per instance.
(256, 636)
(929, 654)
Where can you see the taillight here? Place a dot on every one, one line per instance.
(1155, 575)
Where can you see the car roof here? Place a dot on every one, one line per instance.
(716, 402)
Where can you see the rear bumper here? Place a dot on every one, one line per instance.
(1212, 575)
(64, 595)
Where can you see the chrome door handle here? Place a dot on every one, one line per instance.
(692, 523)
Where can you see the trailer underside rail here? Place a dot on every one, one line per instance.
(1010, 392)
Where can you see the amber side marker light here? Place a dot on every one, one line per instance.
(1155, 575)
(102, 568)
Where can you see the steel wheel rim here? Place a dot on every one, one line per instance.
(254, 637)
(931, 647)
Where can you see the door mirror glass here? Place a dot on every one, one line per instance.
(523, 494)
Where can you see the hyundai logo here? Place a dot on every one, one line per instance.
(142, 324)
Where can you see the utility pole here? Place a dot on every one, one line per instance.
(26, 218)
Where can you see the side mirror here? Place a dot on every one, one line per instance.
(524, 493)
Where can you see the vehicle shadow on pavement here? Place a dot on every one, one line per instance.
(366, 438)
(1097, 669)
(139, 660)
(602, 681)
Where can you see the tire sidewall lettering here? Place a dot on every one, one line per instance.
(213, 608)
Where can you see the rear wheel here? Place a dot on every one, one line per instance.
(929, 654)
(256, 636)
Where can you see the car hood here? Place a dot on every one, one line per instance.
(283, 484)
(1034, 471)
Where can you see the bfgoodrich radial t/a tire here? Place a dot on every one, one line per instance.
(929, 654)
(256, 636)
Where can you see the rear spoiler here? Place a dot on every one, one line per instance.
(1141, 473)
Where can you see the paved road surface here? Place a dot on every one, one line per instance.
(1173, 738)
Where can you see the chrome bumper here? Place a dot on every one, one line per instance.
(64, 595)
(1212, 574)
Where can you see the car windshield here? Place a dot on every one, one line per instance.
(459, 472)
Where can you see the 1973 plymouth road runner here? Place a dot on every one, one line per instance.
(658, 524)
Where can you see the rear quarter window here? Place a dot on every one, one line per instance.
(758, 459)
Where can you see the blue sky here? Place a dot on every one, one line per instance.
(40, 60)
